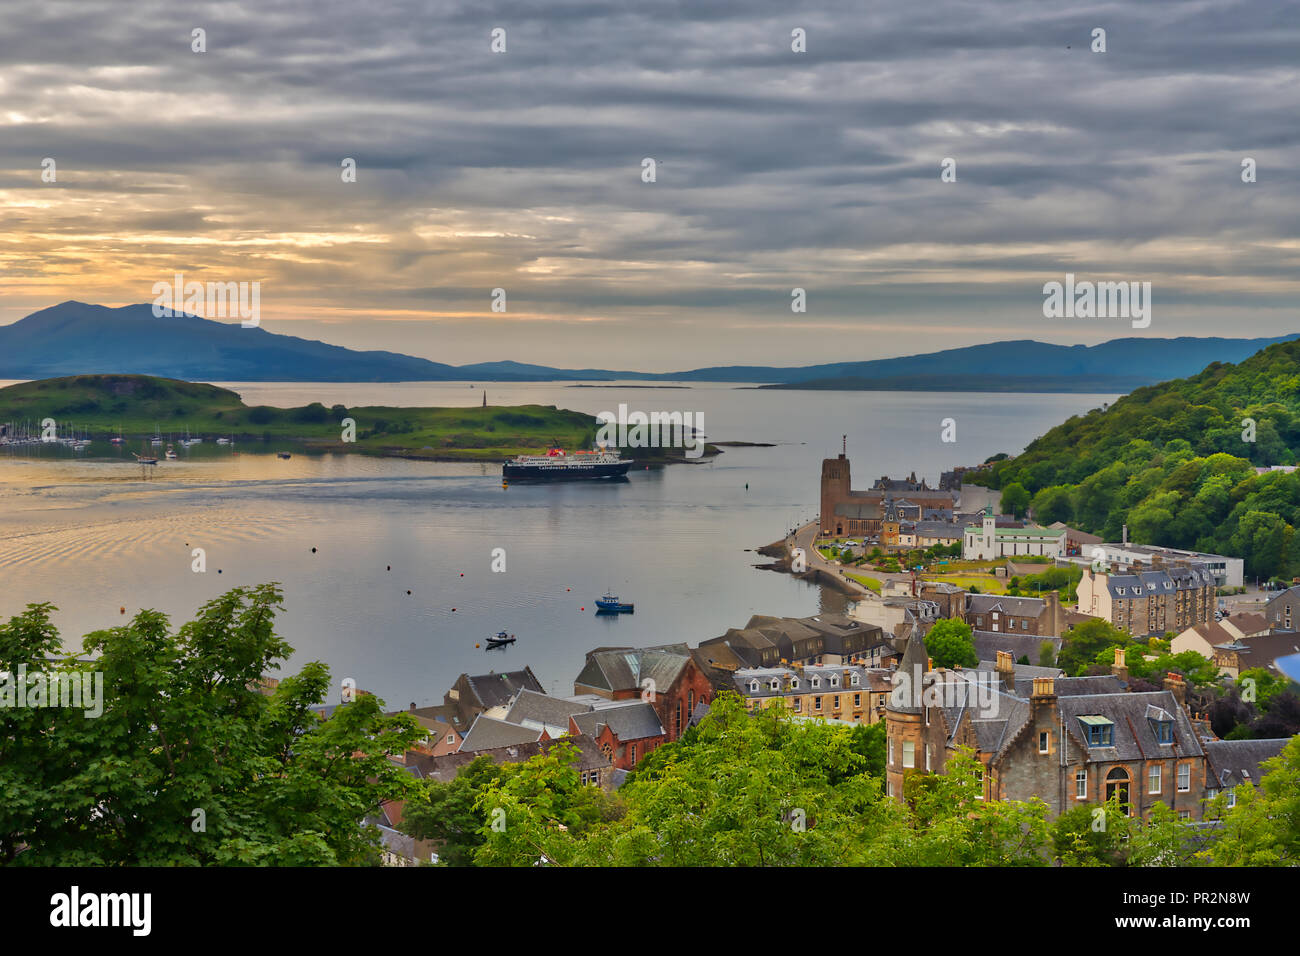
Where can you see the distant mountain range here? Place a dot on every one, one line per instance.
(75, 338)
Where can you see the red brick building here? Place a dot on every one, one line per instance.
(666, 677)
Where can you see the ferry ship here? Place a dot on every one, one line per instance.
(558, 465)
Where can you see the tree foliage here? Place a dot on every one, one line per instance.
(189, 763)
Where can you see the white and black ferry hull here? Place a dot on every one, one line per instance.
(567, 472)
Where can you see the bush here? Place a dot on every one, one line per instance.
(261, 414)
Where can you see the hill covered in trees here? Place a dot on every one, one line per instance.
(1176, 463)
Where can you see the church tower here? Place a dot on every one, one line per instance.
(835, 490)
(905, 718)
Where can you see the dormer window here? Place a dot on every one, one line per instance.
(854, 680)
(775, 684)
(816, 682)
(1164, 731)
(794, 683)
(1120, 590)
(835, 680)
(1100, 731)
(753, 687)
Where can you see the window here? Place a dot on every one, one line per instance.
(816, 682)
(854, 680)
(775, 683)
(891, 750)
(1164, 730)
(1184, 814)
(1184, 777)
(1081, 785)
(817, 703)
(835, 702)
(1153, 778)
(798, 702)
(1232, 798)
(1044, 741)
(890, 788)
(451, 738)
(794, 683)
(1100, 731)
(753, 687)
(927, 757)
(835, 680)
(909, 753)
(857, 700)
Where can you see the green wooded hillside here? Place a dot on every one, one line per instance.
(1175, 462)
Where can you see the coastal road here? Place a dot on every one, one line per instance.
(805, 536)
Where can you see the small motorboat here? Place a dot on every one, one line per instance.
(501, 640)
(170, 453)
(283, 454)
(610, 602)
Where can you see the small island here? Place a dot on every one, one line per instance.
(136, 407)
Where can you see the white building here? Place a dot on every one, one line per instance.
(989, 542)
(1228, 572)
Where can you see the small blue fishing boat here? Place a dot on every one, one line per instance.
(610, 602)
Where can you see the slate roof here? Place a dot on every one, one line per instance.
(988, 643)
(615, 669)
(1262, 651)
(1134, 738)
(913, 664)
(487, 733)
(495, 690)
(629, 720)
(542, 710)
(944, 529)
(1074, 686)
(1019, 606)
(1233, 762)
(446, 767)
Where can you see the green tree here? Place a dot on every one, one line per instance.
(1052, 504)
(1263, 829)
(1015, 499)
(950, 644)
(188, 762)
(1084, 644)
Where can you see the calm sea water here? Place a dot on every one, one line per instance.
(91, 536)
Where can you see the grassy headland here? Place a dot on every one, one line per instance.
(136, 405)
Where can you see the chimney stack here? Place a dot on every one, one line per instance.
(1175, 684)
(1120, 667)
(1006, 668)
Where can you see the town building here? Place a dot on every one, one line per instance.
(988, 541)
(1149, 602)
(1233, 763)
(845, 511)
(624, 731)
(1067, 741)
(1131, 558)
(1016, 615)
(1255, 652)
(666, 677)
(769, 641)
(489, 693)
(1283, 609)
(852, 693)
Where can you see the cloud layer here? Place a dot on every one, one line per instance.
(775, 169)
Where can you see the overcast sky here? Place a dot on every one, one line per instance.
(775, 169)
